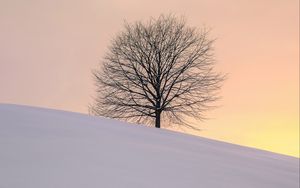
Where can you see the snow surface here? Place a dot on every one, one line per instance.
(43, 148)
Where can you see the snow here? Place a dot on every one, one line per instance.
(43, 148)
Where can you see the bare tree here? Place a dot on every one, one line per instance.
(159, 69)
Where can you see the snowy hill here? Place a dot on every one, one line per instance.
(43, 148)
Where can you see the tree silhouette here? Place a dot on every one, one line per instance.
(161, 69)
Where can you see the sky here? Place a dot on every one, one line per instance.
(49, 47)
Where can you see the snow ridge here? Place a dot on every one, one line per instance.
(58, 149)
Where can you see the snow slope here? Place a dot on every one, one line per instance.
(43, 148)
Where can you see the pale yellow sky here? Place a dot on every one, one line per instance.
(48, 48)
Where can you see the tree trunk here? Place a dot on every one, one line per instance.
(157, 119)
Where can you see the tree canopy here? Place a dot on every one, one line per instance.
(160, 69)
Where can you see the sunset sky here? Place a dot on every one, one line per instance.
(49, 47)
